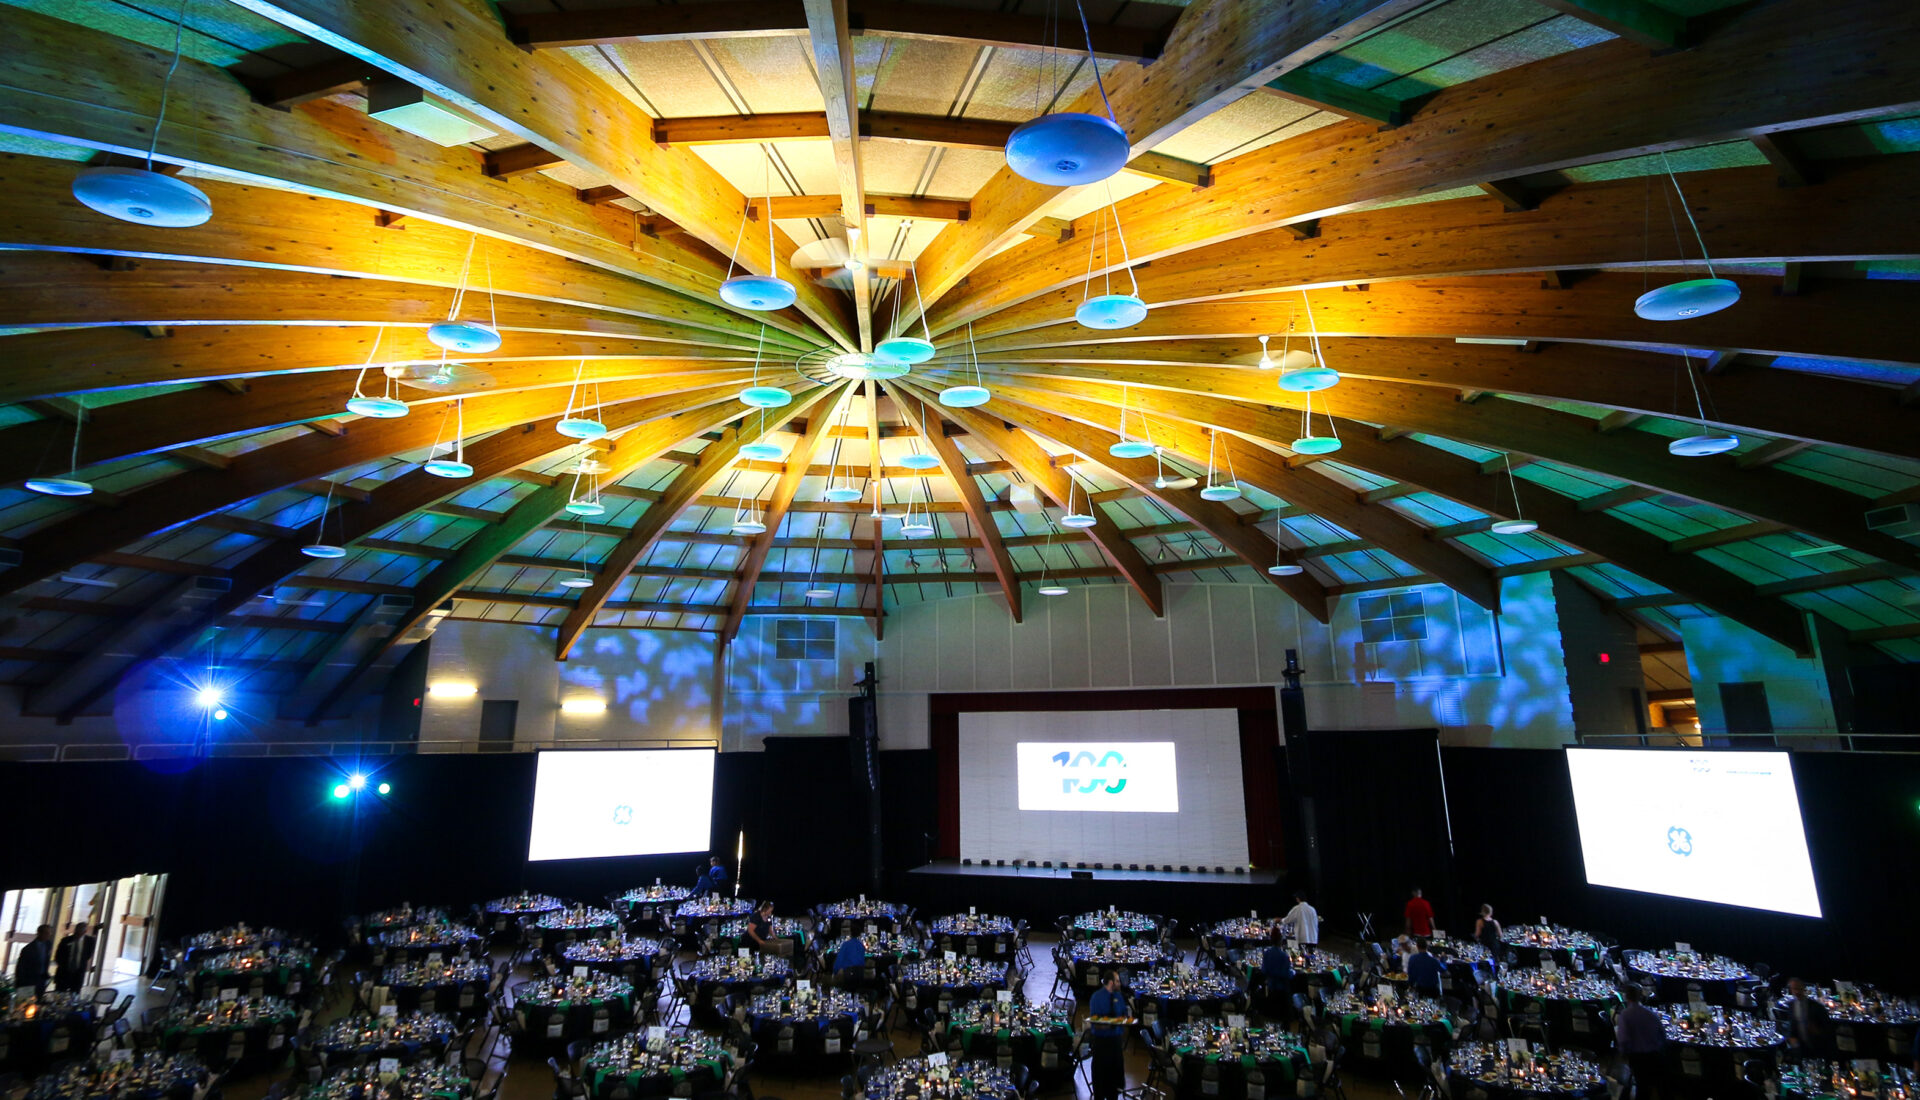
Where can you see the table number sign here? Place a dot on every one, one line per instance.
(580, 972)
(803, 985)
(1236, 1021)
(1003, 996)
(973, 911)
(1517, 1048)
(1682, 948)
(229, 994)
(390, 1011)
(938, 1059)
(389, 1069)
(120, 1054)
(950, 956)
(1389, 994)
(745, 953)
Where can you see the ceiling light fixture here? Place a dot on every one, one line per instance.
(1708, 442)
(584, 498)
(142, 195)
(1692, 297)
(1310, 444)
(457, 466)
(1125, 446)
(1223, 490)
(1067, 148)
(1281, 567)
(1048, 586)
(71, 485)
(911, 350)
(384, 405)
(757, 396)
(1108, 310)
(472, 337)
(1519, 524)
(968, 395)
(837, 493)
(758, 292)
(1301, 371)
(919, 528)
(861, 367)
(1072, 518)
(760, 450)
(581, 426)
(584, 578)
(320, 547)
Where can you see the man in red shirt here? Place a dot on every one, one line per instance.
(1419, 916)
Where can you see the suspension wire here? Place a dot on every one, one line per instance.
(1688, 210)
(166, 85)
(1095, 62)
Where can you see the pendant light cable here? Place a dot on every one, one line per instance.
(166, 85)
(1099, 83)
(1688, 211)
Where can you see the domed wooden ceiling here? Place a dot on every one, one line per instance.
(1471, 194)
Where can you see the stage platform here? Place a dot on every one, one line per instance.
(1042, 894)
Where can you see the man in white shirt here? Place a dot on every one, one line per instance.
(1302, 922)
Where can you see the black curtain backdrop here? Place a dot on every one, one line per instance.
(1519, 849)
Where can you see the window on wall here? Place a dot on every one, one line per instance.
(803, 639)
(1400, 617)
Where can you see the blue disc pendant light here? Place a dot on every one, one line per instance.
(1692, 297)
(972, 394)
(71, 485)
(456, 467)
(1069, 148)
(1708, 442)
(383, 405)
(1219, 490)
(758, 292)
(906, 348)
(472, 337)
(757, 396)
(1108, 310)
(141, 195)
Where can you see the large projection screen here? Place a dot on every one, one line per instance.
(1719, 826)
(590, 804)
(1134, 786)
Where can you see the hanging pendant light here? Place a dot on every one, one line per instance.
(757, 396)
(746, 518)
(1708, 442)
(758, 292)
(1310, 444)
(71, 485)
(1281, 567)
(457, 466)
(584, 500)
(581, 426)
(1519, 524)
(472, 337)
(836, 492)
(1068, 148)
(320, 547)
(584, 578)
(1305, 372)
(971, 394)
(915, 458)
(1126, 447)
(142, 195)
(917, 528)
(1072, 518)
(1693, 297)
(1048, 586)
(1108, 310)
(904, 348)
(762, 450)
(861, 367)
(1223, 490)
(381, 406)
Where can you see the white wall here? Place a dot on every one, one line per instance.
(1722, 651)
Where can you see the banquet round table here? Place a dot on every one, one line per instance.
(199, 948)
(840, 919)
(505, 914)
(1866, 1022)
(1241, 932)
(1222, 1060)
(1569, 1004)
(254, 972)
(400, 916)
(1312, 968)
(1174, 994)
(1036, 1036)
(970, 1079)
(721, 979)
(1569, 948)
(732, 935)
(243, 1029)
(583, 922)
(410, 1038)
(944, 983)
(974, 934)
(691, 915)
(46, 1029)
(1468, 964)
(1103, 924)
(409, 943)
(1486, 1071)
(886, 951)
(1383, 1030)
(646, 908)
(1819, 1079)
(1088, 959)
(560, 1009)
(629, 957)
(803, 1031)
(1708, 1045)
(148, 1076)
(458, 986)
(644, 1066)
(422, 1081)
(1670, 976)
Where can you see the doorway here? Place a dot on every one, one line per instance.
(123, 913)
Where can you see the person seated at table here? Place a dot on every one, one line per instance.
(760, 932)
(1641, 1038)
(1807, 1023)
(1402, 951)
(1418, 915)
(851, 959)
(1486, 933)
(712, 878)
(1424, 972)
(1302, 922)
(1276, 967)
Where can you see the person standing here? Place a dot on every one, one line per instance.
(1641, 1037)
(72, 958)
(1486, 933)
(32, 968)
(1425, 974)
(1109, 1039)
(1419, 916)
(760, 931)
(1302, 921)
(1807, 1023)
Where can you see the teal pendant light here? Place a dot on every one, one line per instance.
(471, 337)
(1108, 310)
(1219, 490)
(1126, 446)
(905, 348)
(457, 466)
(71, 485)
(1709, 442)
(1303, 372)
(1691, 298)
(758, 292)
(968, 395)
(757, 396)
(1310, 444)
(320, 547)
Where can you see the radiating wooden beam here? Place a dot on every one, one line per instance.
(680, 495)
(1794, 168)
(460, 55)
(1218, 52)
(1636, 21)
(831, 40)
(1347, 100)
(872, 396)
(784, 487)
(1624, 106)
(954, 465)
(1165, 169)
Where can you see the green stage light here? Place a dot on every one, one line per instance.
(386, 788)
(340, 790)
